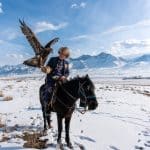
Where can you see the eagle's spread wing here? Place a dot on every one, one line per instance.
(52, 42)
(31, 37)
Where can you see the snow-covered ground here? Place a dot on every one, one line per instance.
(121, 122)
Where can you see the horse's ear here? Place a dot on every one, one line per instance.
(87, 76)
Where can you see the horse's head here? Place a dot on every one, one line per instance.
(87, 93)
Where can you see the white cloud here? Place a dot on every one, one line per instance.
(74, 5)
(76, 53)
(80, 5)
(12, 35)
(140, 28)
(80, 37)
(9, 34)
(12, 53)
(130, 47)
(1, 10)
(140, 24)
(131, 39)
(134, 43)
(1, 41)
(45, 26)
(15, 56)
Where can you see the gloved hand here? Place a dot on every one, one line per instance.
(46, 69)
(63, 78)
(55, 77)
(43, 69)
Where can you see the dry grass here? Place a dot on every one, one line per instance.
(34, 141)
(4, 138)
(18, 80)
(9, 86)
(1, 94)
(1, 124)
(147, 94)
(8, 98)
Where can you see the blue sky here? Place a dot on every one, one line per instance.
(119, 27)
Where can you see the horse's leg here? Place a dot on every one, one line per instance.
(67, 127)
(60, 126)
(41, 95)
(48, 117)
(44, 117)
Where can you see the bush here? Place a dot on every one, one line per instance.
(8, 98)
(1, 94)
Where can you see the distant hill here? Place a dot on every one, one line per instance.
(144, 58)
(16, 69)
(102, 60)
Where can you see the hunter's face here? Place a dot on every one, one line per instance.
(65, 54)
(62, 56)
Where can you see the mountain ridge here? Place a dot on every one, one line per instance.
(102, 60)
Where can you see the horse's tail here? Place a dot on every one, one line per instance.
(41, 92)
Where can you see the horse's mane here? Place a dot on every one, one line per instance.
(87, 78)
(73, 78)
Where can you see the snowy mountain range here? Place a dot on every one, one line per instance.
(102, 60)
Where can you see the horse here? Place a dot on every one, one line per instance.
(64, 104)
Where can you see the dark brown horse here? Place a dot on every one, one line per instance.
(64, 104)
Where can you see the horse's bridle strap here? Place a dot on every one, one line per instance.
(81, 91)
(68, 93)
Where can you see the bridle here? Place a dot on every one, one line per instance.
(81, 92)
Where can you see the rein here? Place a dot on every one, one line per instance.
(81, 111)
(70, 95)
(80, 91)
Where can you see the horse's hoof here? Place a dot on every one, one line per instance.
(59, 146)
(45, 132)
(50, 126)
(69, 145)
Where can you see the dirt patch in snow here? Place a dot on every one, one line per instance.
(33, 140)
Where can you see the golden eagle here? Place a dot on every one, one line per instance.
(41, 52)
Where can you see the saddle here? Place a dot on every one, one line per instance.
(54, 92)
